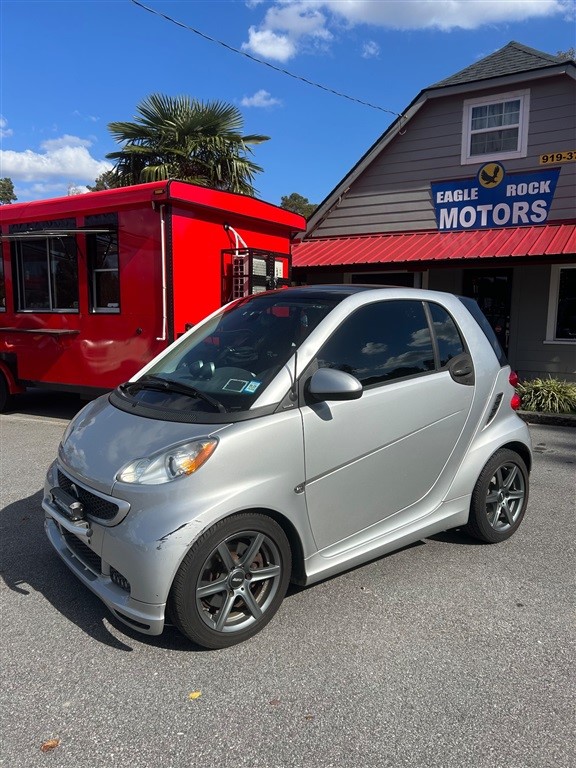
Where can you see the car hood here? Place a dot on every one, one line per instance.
(102, 439)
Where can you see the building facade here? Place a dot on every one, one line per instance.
(473, 191)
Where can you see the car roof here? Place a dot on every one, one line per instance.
(340, 290)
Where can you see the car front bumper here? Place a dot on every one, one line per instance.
(98, 560)
(144, 617)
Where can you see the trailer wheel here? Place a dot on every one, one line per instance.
(4, 393)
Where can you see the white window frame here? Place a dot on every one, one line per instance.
(93, 273)
(553, 305)
(522, 149)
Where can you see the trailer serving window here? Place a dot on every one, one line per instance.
(46, 274)
(103, 276)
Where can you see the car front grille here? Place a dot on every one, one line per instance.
(82, 551)
(93, 505)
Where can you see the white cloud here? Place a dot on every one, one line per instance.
(67, 157)
(420, 338)
(374, 348)
(297, 18)
(288, 26)
(52, 145)
(89, 118)
(4, 131)
(260, 99)
(269, 44)
(292, 26)
(442, 14)
(370, 50)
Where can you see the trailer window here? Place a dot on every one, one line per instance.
(103, 273)
(47, 275)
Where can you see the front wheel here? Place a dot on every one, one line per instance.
(499, 498)
(232, 581)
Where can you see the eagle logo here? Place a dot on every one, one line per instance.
(490, 175)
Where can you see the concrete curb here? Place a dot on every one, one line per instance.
(553, 419)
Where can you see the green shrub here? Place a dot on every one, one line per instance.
(548, 395)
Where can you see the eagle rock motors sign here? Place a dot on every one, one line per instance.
(494, 199)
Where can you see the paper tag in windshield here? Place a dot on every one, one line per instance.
(235, 385)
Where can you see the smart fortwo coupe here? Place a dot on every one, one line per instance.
(287, 437)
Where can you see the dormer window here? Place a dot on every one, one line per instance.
(495, 127)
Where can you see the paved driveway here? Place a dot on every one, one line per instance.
(447, 653)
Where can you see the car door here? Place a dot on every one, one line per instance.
(383, 460)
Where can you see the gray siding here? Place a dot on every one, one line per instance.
(393, 193)
(445, 280)
(529, 353)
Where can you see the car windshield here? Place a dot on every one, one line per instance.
(226, 363)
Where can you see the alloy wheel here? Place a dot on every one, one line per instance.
(238, 581)
(505, 497)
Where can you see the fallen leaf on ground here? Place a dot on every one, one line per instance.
(49, 745)
(194, 695)
(275, 702)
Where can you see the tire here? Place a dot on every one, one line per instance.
(232, 581)
(4, 393)
(499, 498)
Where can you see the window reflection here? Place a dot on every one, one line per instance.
(380, 342)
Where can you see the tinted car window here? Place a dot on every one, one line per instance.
(380, 342)
(478, 315)
(229, 361)
(447, 334)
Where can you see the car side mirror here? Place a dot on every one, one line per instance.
(332, 384)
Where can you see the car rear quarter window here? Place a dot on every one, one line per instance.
(478, 315)
(381, 342)
(447, 335)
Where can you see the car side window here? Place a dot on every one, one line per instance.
(380, 342)
(448, 337)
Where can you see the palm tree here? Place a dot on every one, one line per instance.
(185, 139)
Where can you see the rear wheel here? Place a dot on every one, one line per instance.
(499, 499)
(232, 581)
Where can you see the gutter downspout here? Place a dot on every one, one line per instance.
(237, 238)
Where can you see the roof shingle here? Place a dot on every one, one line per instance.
(511, 59)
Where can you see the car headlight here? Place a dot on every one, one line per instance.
(179, 461)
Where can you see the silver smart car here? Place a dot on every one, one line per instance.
(289, 436)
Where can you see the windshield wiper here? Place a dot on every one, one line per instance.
(161, 384)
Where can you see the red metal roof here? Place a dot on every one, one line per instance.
(546, 240)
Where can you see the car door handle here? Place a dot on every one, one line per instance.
(464, 369)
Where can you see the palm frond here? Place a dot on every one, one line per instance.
(180, 137)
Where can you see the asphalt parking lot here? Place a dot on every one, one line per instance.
(445, 654)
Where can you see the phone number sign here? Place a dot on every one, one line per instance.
(494, 198)
(559, 157)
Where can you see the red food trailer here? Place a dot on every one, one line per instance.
(92, 286)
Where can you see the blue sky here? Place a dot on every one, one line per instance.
(70, 67)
